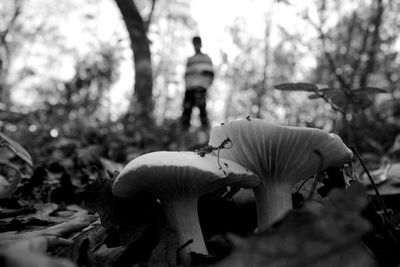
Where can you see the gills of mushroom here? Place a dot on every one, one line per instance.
(178, 179)
(280, 156)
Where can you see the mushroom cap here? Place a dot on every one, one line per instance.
(173, 175)
(281, 153)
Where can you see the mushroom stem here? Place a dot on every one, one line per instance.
(272, 202)
(183, 218)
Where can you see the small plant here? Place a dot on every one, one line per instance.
(347, 102)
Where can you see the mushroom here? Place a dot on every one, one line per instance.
(280, 156)
(178, 179)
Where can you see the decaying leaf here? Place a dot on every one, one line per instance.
(10, 177)
(23, 258)
(61, 229)
(110, 165)
(90, 154)
(314, 236)
(127, 218)
(32, 252)
(40, 243)
(16, 148)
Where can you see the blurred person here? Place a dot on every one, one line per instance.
(199, 75)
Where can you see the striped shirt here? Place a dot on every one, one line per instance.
(199, 72)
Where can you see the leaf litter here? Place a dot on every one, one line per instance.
(328, 235)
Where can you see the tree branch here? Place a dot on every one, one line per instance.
(369, 67)
(142, 59)
(350, 34)
(10, 24)
(328, 56)
(148, 21)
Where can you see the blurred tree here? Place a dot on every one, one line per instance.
(241, 71)
(257, 64)
(357, 50)
(29, 39)
(171, 33)
(350, 48)
(143, 89)
(65, 104)
(260, 88)
(9, 13)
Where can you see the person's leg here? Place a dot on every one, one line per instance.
(188, 104)
(202, 103)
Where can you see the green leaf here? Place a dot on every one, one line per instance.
(339, 100)
(314, 96)
(369, 90)
(328, 89)
(360, 100)
(308, 87)
(16, 148)
(330, 92)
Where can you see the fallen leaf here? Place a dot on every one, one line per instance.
(314, 236)
(16, 148)
(62, 229)
(10, 177)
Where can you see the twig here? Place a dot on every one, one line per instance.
(187, 243)
(333, 106)
(302, 184)
(149, 17)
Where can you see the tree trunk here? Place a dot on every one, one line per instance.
(5, 53)
(142, 101)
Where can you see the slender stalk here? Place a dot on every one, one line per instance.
(378, 195)
(183, 218)
(272, 202)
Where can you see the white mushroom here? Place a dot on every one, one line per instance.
(280, 156)
(178, 179)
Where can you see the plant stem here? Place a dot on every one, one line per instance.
(183, 217)
(378, 195)
(272, 202)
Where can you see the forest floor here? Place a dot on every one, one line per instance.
(63, 213)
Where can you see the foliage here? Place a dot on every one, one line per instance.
(342, 100)
(347, 102)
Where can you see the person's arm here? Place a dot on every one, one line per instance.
(209, 72)
(186, 68)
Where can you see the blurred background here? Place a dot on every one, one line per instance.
(73, 67)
